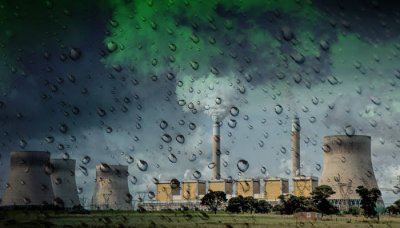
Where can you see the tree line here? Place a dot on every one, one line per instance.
(289, 204)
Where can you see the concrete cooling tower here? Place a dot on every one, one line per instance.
(111, 191)
(347, 165)
(29, 181)
(64, 184)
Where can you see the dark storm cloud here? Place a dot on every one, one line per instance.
(114, 108)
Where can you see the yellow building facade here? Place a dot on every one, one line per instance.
(221, 185)
(165, 191)
(247, 187)
(193, 189)
(303, 186)
(274, 187)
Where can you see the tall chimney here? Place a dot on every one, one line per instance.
(216, 153)
(296, 146)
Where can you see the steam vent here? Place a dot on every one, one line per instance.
(64, 184)
(111, 191)
(347, 165)
(29, 181)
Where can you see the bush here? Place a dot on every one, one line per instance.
(353, 211)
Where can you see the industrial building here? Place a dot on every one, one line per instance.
(221, 185)
(248, 187)
(347, 165)
(111, 191)
(29, 181)
(193, 189)
(167, 191)
(274, 187)
(304, 185)
(64, 183)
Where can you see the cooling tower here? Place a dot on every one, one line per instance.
(347, 165)
(216, 153)
(29, 181)
(111, 191)
(64, 184)
(296, 146)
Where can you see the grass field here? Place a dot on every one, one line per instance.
(178, 219)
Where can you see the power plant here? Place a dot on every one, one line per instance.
(111, 190)
(63, 182)
(29, 181)
(35, 180)
(347, 165)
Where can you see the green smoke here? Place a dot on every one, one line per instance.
(199, 37)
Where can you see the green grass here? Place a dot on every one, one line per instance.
(178, 219)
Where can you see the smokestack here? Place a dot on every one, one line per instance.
(296, 146)
(64, 184)
(216, 153)
(112, 191)
(29, 180)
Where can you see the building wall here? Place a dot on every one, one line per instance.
(304, 187)
(164, 192)
(247, 188)
(202, 188)
(229, 188)
(216, 186)
(190, 190)
(274, 188)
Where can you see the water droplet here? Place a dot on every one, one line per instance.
(196, 174)
(49, 139)
(192, 126)
(243, 165)
(84, 170)
(180, 139)
(63, 128)
(172, 158)
(105, 168)
(234, 111)
(85, 160)
(232, 123)
(101, 112)
(129, 160)
(192, 157)
(211, 165)
(75, 53)
(142, 165)
(350, 130)
(278, 109)
(65, 156)
(315, 100)
(263, 169)
(133, 179)
(151, 195)
(111, 46)
(166, 138)
(326, 148)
